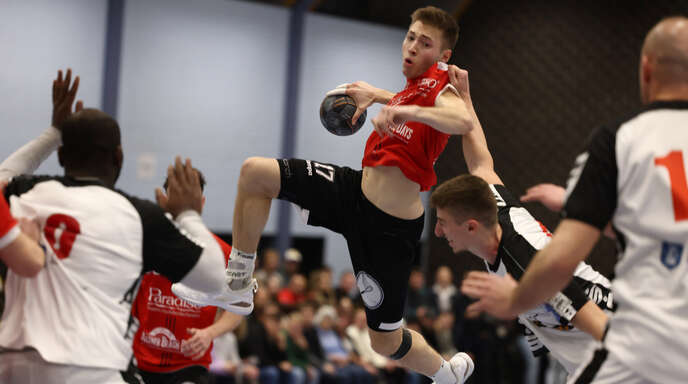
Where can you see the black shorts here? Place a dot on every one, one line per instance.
(382, 247)
(194, 374)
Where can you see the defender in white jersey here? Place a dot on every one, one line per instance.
(69, 323)
(633, 174)
(488, 221)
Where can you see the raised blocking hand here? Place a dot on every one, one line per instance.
(183, 189)
(63, 98)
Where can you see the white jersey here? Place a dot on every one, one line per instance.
(548, 325)
(635, 175)
(98, 241)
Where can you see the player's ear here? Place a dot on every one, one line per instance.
(446, 55)
(472, 225)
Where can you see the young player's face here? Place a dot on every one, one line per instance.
(455, 233)
(421, 49)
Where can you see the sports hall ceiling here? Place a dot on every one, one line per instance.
(389, 12)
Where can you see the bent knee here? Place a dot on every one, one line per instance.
(385, 343)
(260, 176)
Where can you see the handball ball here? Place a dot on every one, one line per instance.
(336, 112)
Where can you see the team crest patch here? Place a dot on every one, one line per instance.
(671, 254)
(371, 292)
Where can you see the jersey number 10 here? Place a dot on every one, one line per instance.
(673, 162)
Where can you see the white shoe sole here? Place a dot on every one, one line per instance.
(240, 302)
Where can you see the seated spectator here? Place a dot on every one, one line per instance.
(338, 359)
(297, 347)
(419, 300)
(293, 294)
(357, 332)
(227, 367)
(444, 289)
(269, 268)
(292, 262)
(321, 291)
(266, 345)
(347, 288)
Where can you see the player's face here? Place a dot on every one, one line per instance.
(448, 228)
(421, 49)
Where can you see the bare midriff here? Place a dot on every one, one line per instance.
(392, 192)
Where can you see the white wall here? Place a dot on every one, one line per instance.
(204, 79)
(37, 37)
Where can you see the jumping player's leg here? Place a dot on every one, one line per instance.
(316, 187)
(411, 351)
(420, 357)
(259, 184)
(382, 250)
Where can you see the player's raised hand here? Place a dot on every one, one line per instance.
(183, 189)
(64, 93)
(494, 294)
(362, 93)
(390, 117)
(550, 195)
(459, 79)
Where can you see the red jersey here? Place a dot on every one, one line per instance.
(8, 225)
(414, 147)
(163, 322)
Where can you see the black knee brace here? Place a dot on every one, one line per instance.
(405, 345)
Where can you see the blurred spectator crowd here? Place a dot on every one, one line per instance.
(307, 329)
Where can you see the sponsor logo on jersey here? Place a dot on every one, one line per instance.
(371, 292)
(403, 132)
(160, 338)
(170, 303)
(428, 83)
(309, 168)
(671, 254)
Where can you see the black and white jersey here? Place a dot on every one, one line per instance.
(522, 237)
(98, 242)
(634, 174)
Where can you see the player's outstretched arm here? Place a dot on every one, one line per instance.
(30, 156)
(199, 342)
(550, 195)
(184, 201)
(19, 248)
(553, 197)
(363, 94)
(552, 267)
(475, 151)
(591, 319)
(449, 115)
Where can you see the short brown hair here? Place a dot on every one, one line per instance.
(466, 197)
(441, 20)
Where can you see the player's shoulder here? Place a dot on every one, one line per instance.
(503, 196)
(607, 132)
(143, 206)
(21, 184)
